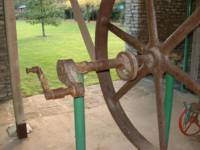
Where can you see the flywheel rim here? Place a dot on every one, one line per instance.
(160, 65)
(115, 108)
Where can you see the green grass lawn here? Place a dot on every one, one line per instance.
(62, 42)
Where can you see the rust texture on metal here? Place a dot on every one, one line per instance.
(101, 65)
(154, 59)
(126, 65)
(68, 72)
(129, 66)
(126, 37)
(55, 93)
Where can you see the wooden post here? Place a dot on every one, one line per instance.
(14, 68)
(195, 56)
(83, 28)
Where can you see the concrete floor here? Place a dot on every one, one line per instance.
(53, 129)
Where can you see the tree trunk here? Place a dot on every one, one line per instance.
(43, 28)
(88, 13)
(42, 19)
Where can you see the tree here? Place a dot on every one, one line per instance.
(44, 12)
(83, 3)
(89, 6)
(92, 2)
(17, 3)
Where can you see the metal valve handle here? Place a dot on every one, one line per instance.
(50, 93)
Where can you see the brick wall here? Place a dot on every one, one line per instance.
(5, 88)
(169, 16)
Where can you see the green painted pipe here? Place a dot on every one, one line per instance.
(187, 44)
(79, 117)
(168, 102)
(169, 88)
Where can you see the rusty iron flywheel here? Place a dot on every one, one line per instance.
(154, 60)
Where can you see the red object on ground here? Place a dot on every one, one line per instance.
(193, 121)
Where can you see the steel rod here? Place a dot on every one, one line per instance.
(99, 65)
(131, 40)
(152, 23)
(128, 85)
(183, 78)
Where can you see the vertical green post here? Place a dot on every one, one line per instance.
(168, 102)
(79, 118)
(187, 44)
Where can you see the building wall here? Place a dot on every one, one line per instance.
(169, 16)
(5, 83)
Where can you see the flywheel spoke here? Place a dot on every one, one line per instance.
(152, 23)
(183, 77)
(181, 32)
(158, 81)
(126, 37)
(128, 85)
